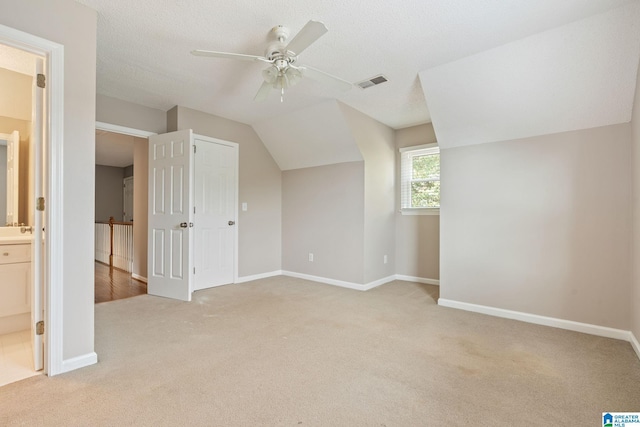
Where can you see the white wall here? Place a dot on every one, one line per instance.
(635, 141)
(74, 26)
(417, 236)
(541, 225)
(376, 144)
(260, 186)
(323, 213)
(123, 113)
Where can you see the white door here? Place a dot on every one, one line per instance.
(37, 247)
(169, 261)
(127, 214)
(13, 177)
(215, 202)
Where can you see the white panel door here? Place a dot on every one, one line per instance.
(13, 177)
(169, 260)
(215, 201)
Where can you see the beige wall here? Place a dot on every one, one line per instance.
(259, 228)
(109, 194)
(323, 213)
(417, 236)
(140, 205)
(13, 102)
(376, 144)
(8, 125)
(74, 26)
(635, 141)
(541, 225)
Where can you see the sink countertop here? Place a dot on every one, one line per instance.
(12, 240)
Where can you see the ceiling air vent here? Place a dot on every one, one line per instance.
(373, 81)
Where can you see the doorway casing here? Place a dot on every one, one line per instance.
(53, 124)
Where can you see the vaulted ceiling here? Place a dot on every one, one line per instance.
(577, 76)
(144, 55)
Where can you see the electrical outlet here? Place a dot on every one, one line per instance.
(310, 257)
(384, 259)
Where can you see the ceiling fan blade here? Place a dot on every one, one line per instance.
(263, 92)
(311, 32)
(228, 55)
(326, 78)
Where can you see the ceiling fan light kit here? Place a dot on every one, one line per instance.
(282, 73)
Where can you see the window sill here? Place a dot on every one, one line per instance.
(420, 211)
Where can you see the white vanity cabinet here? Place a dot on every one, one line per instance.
(15, 279)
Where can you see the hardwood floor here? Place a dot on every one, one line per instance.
(112, 284)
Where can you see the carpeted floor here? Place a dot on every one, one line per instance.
(287, 352)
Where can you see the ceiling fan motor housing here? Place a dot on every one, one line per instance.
(277, 49)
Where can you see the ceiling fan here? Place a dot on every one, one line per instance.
(282, 56)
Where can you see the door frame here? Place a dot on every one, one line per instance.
(236, 195)
(109, 127)
(53, 124)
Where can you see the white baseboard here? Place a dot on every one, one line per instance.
(138, 277)
(635, 344)
(335, 282)
(418, 279)
(244, 279)
(379, 282)
(79, 362)
(341, 283)
(570, 325)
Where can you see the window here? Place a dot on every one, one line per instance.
(420, 179)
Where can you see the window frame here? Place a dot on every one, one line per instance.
(406, 154)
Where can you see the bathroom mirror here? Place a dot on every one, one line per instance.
(10, 179)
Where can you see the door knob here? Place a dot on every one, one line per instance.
(232, 222)
(183, 225)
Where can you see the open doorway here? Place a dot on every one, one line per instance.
(21, 237)
(121, 213)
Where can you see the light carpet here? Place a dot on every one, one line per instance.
(289, 352)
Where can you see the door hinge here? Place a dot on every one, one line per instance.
(40, 203)
(41, 80)
(40, 328)
(194, 270)
(194, 149)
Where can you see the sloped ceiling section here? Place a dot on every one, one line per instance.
(313, 136)
(577, 76)
(114, 149)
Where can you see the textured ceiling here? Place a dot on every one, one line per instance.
(315, 136)
(577, 76)
(144, 45)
